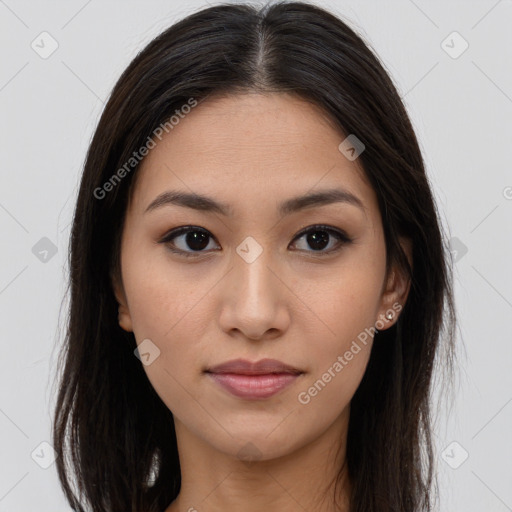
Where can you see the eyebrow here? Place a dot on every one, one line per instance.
(295, 204)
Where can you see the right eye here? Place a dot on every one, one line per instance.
(192, 237)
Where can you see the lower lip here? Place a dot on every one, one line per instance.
(253, 386)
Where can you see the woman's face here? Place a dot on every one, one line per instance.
(245, 283)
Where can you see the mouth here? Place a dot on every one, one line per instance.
(251, 381)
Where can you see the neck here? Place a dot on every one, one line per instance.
(304, 479)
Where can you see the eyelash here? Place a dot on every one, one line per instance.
(339, 235)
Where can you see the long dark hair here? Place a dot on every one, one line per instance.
(112, 433)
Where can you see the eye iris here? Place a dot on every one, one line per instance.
(316, 238)
(197, 240)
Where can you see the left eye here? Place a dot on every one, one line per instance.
(318, 236)
(196, 239)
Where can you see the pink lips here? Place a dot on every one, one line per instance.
(257, 380)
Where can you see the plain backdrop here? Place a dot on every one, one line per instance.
(451, 61)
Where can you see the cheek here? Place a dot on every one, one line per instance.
(341, 305)
(160, 296)
(329, 391)
(169, 308)
(342, 315)
(342, 346)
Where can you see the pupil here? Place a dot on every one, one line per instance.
(314, 239)
(197, 240)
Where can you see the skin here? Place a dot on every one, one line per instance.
(253, 151)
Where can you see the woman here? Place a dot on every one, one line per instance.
(259, 283)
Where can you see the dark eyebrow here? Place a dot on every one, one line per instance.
(295, 204)
(319, 198)
(190, 200)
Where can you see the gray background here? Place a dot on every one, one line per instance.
(461, 108)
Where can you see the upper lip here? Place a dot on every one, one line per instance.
(261, 367)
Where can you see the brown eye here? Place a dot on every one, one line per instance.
(189, 240)
(319, 237)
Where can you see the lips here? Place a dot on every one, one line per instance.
(251, 381)
(262, 367)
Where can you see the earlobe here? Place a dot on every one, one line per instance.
(396, 291)
(124, 317)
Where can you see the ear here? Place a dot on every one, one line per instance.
(395, 292)
(124, 318)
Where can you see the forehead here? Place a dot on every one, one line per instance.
(246, 148)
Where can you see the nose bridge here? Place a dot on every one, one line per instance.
(253, 299)
(254, 280)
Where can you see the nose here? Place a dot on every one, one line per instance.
(255, 300)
